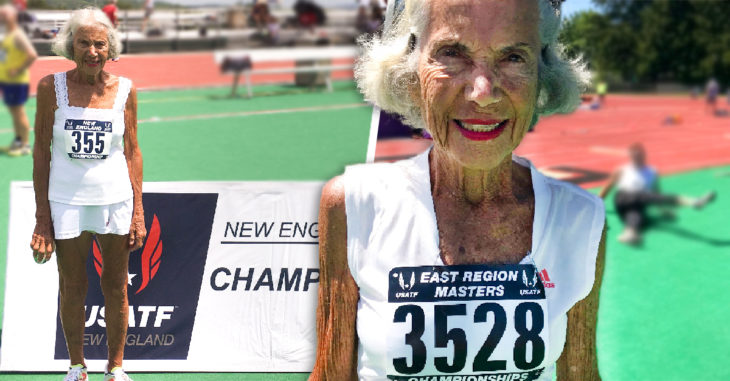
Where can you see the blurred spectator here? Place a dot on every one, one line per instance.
(260, 14)
(273, 28)
(20, 5)
(149, 7)
(638, 188)
(110, 10)
(309, 14)
(24, 18)
(361, 20)
(711, 92)
(372, 21)
(16, 56)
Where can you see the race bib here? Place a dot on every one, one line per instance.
(88, 139)
(467, 323)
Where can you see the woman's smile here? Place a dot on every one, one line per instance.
(479, 129)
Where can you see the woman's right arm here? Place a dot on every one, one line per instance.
(42, 243)
(338, 293)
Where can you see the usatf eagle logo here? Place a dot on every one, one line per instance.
(151, 256)
(527, 282)
(403, 284)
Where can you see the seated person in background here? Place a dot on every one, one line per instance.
(638, 187)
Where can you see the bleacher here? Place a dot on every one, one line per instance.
(198, 29)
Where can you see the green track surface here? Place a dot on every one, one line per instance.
(663, 312)
(664, 305)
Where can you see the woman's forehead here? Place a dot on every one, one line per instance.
(484, 20)
(93, 31)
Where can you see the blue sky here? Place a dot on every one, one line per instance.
(572, 6)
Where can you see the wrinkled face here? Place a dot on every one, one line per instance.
(478, 77)
(90, 48)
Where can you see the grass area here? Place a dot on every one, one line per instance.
(663, 313)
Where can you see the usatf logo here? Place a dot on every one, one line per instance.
(529, 282)
(546, 279)
(402, 282)
(151, 256)
(163, 294)
(406, 287)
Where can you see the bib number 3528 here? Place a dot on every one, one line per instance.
(527, 337)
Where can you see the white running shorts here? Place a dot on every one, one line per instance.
(70, 220)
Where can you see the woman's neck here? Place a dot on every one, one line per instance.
(88, 79)
(478, 187)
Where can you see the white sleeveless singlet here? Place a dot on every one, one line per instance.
(418, 319)
(88, 166)
(634, 179)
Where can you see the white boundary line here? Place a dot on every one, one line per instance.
(252, 113)
(373, 139)
(238, 114)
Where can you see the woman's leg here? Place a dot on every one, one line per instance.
(71, 257)
(115, 255)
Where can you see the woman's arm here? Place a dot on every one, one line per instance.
(42, 241)
(137, 231)
(579, 361)
(338, 293)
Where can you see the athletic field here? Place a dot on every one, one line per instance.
(663, 305)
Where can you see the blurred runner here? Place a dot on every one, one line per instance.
(149, 7)
(638, 188)
(711, 91)
(602, 90)
(16, 56)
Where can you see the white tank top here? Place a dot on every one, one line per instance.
(418, 319)
(635, 179)
(88, 166)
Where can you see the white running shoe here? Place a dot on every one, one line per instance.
(76, 373)
(21, 150)
(117, 374)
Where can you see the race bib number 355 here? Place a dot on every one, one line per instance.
(88, 139)
(471, 323)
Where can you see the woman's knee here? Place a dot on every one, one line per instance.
(113, 284)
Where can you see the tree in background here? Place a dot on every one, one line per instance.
(644, 41)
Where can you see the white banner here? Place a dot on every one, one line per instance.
(227, 281)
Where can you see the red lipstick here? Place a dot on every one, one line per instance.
(480, 135)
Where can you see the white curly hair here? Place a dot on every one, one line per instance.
(63, 42)
(386, 72)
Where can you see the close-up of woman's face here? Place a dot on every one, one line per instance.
(478, 72)
(90, 48)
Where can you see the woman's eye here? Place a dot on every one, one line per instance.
(514, 57)
(450, 51)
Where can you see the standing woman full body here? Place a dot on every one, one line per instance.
(87, 177)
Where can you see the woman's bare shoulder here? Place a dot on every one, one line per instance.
(333, 196)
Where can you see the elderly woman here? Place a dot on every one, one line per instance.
(87, 175)
(464, 261)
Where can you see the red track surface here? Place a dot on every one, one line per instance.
(596, 140)
(155, 71)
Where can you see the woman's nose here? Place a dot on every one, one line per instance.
(482, 89)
